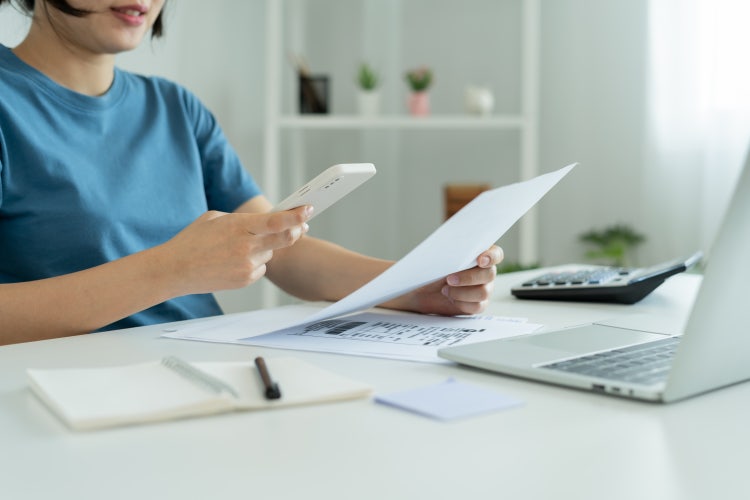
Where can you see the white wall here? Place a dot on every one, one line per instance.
(593, 110)
(592, 107)
(470, 42)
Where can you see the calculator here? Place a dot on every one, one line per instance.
(602, 283)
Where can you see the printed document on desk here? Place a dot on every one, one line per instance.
(452, 247)
(386, 334)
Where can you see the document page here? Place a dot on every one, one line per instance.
(387, 334)
(452, 247)
(413, 337)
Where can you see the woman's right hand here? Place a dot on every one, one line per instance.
(221, 251)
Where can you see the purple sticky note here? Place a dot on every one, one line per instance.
(448, 400)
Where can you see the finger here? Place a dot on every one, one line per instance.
(261, 258)
(470, 307)
(276, 222)
(480, 293)
(257, 273)
(473, 276)
(273, 241)
(491, 257)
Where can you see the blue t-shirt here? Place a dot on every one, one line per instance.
(87, 180)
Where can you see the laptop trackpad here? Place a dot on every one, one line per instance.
(583, 339)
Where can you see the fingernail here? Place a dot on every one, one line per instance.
(452, 280)
(308, 211)
(444, 291)
(484, 261)
(305, 227)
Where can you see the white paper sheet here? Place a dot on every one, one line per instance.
(413, 337)
(453, 247)
(387, 334)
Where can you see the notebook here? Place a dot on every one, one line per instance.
(712, 352)
(95, 398)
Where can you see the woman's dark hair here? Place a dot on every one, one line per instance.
(157, 30)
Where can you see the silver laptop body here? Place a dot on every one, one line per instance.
(712, 352)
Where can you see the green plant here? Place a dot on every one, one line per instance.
(419, 79)
(367, 77)
(613, 244)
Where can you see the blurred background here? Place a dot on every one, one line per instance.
(651, 97)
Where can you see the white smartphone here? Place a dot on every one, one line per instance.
(328, 187)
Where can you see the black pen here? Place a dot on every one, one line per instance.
(272, 388)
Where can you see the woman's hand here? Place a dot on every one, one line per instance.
(220, 251)
(465, 292)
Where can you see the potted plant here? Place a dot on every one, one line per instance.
(419, 80)
(369, 97)
(612, 245)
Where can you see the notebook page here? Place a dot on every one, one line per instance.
(88, 398)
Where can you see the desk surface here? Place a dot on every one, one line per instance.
(560, 444)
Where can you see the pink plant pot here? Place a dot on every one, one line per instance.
(419, 103)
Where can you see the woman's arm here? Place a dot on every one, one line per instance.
(217, 251)
(83, 301)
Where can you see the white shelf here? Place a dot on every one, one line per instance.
(395, 121)
(280, 123)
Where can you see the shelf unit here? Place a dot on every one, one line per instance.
(400, 122)
(525, 122)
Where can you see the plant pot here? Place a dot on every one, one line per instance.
(313, 94)
(368, 102)
(419, 103)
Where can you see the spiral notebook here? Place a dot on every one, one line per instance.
(94, 398)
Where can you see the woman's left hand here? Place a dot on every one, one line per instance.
(464, 292)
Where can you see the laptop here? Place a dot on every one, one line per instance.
(713, 351)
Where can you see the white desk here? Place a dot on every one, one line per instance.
(562, 444)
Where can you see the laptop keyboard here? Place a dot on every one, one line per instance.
(646, 363)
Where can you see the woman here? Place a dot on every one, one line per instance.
(122, 204)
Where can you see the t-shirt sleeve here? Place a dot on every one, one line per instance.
(227, 183)
(2, 162)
